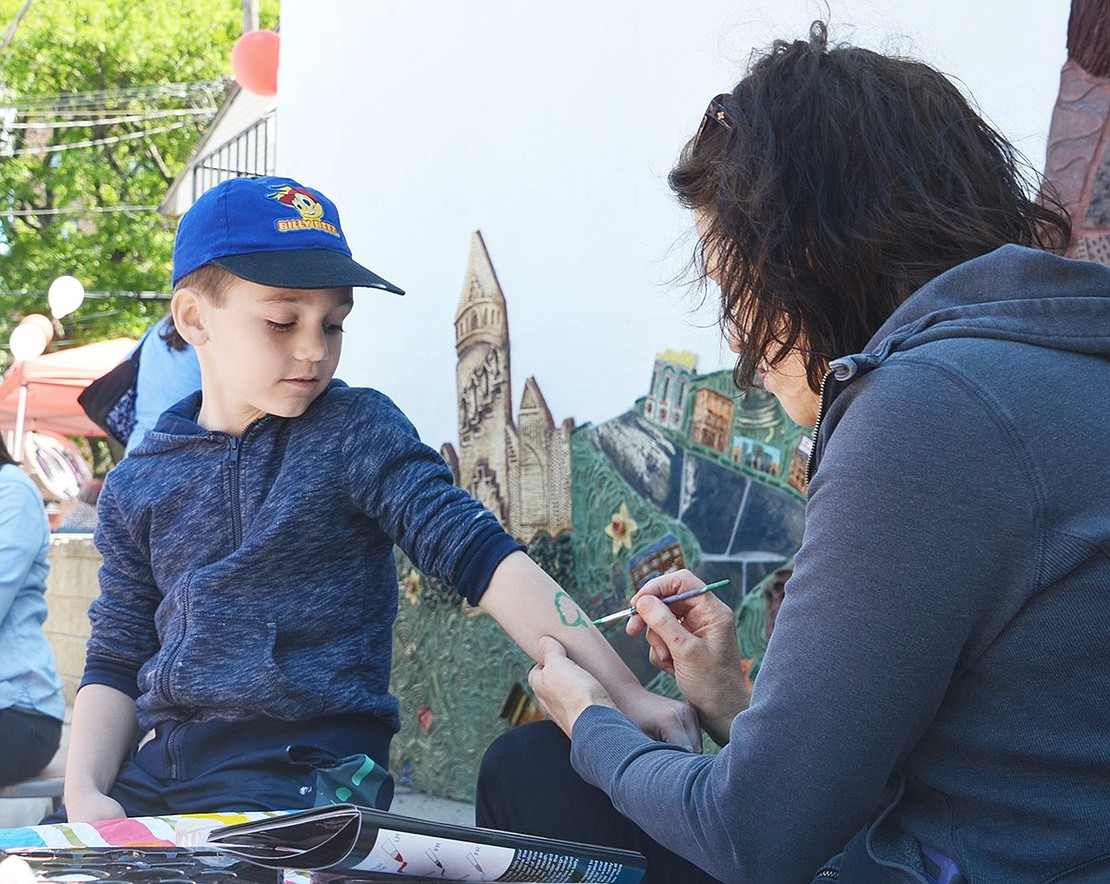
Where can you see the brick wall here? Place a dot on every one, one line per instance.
(70, 589)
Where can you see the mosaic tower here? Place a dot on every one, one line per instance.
(483, 384)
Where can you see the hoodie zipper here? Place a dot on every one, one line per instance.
(810, 461)
(234, 443)
(234, 451)
(167, 668)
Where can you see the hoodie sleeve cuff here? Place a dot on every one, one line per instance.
(481, 559)
(121, 676)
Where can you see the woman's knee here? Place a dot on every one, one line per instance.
(525, 752)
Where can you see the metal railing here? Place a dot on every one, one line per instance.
(249, 153)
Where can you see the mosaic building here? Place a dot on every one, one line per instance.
(748, 428)
(519, 469)
(694, 475)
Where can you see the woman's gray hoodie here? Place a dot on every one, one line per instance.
(939, 669)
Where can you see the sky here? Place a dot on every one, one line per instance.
(551, 128)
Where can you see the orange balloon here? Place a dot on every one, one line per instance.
(254, 61)
(41, 322)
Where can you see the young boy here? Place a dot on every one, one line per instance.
(249, 589)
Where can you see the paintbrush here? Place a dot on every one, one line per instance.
(669, 600)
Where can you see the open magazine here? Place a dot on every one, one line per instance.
(357, 842)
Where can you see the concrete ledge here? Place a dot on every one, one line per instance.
(39, 787)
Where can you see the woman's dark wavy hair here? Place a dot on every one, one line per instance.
(837, 182)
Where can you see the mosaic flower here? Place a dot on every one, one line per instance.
(471, 611)
(413, 586)
(620, 529)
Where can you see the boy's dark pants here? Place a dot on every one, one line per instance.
(261, 764)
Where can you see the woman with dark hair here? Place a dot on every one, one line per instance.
(929, 707)
(31, 704)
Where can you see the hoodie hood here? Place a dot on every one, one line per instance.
(1013, 293)
(178, 425)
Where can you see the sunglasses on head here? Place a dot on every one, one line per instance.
(716, 114)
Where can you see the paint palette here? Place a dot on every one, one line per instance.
(127, 865)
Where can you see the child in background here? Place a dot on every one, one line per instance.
(80, 516)
(168, 372)
(249, 587)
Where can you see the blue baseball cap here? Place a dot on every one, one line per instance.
(272, 231)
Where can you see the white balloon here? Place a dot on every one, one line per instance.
(65, 295)
(27, 342)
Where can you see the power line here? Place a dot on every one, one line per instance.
(85, 210)
(95, 142)
(108, 98)
(113, 121)
(9, 111)
(138, 296)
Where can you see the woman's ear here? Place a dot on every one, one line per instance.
(188, 311)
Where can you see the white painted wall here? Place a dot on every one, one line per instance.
(551, 127)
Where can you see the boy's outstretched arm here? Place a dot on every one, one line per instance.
(529, 605)
(101, 734)
(408, 489)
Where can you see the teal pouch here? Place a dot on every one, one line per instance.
(355, 779)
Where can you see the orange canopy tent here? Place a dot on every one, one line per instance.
(53, 382)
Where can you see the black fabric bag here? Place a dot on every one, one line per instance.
(109, 401)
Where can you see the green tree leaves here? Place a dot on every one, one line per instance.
(101, 104)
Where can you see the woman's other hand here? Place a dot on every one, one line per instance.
(562, 687)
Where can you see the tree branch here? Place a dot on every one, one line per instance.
(14, 26)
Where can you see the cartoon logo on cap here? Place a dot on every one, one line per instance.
(305, 204)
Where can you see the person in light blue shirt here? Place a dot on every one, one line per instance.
(168, 372)
(31, 704)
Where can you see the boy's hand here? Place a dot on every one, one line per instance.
(90, 806)
(102, 733)
(532, 609)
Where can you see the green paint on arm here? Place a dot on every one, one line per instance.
(569, 612)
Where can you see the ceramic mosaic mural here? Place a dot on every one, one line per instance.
(694, 475)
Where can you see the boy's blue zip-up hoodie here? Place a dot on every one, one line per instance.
(938, 674)
(253, 576)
